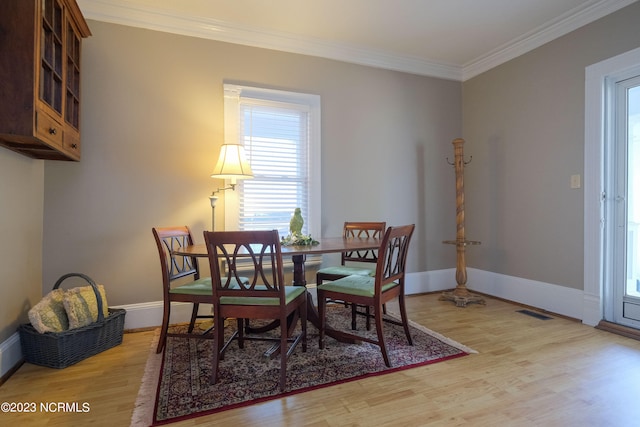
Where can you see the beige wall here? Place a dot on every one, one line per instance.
(152, 121)
(524, 126)
(21, 200)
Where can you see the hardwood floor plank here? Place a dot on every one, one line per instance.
(528, 371)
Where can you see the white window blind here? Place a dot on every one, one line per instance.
(280, 133)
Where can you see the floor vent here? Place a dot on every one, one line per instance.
(534, 314)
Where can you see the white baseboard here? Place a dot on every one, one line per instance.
(10, 353)
(553, 298)
(430, 281)
(546, 296)
(149, 314)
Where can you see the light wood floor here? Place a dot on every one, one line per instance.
(528, 372)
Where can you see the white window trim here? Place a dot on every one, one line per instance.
(232, 94)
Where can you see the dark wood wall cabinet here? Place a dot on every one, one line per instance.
(40, 41)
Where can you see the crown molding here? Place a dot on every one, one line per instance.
(552, 30)
(122, 12)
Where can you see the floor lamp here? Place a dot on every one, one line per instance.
(232, 165)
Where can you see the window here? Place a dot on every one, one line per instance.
(281, 135)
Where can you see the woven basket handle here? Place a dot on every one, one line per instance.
(93, 285)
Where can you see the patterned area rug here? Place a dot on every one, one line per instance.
(246, 377)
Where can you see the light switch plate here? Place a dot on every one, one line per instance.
(575, 181)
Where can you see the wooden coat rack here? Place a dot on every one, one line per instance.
(460, 295)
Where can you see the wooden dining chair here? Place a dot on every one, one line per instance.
(354, 229)
(258, 254)
(181, 281)
(387, 283)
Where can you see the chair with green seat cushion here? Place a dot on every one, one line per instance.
(181, 281)
(387, 283)
(351, 262)
(258, 255)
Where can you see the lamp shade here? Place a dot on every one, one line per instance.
(232, 163)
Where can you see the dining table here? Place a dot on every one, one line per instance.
(324, 245)
(299, 253)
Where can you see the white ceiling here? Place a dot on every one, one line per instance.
(451, 39)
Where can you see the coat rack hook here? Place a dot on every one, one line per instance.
(463, 161)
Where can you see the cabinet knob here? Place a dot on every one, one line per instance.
(53, 131)
(74, 146)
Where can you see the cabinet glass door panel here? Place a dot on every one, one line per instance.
(72, 102)
(51, 54)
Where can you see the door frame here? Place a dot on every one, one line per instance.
(597, 206)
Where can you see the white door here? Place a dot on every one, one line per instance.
(625, 295)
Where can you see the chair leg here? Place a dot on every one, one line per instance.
(405, 320)
(241, 326)
(367, 313)
(194, 315)
(247, 326)
(218, 342)
(368, 317)
(283, 353)
(321, 321)
(303, 321)
(379, 330)
(354, 313)
(165, 326)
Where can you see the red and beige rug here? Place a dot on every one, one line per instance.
(176, 384)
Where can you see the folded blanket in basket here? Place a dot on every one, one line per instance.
(61, 310)
(49, 314)
(82, 307)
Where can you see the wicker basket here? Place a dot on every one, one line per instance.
(62, 349)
